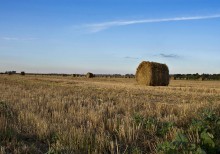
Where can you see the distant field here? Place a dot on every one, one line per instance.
(40, 114)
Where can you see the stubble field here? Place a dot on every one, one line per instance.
(41, 114)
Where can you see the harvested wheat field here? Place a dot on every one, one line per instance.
(40, 114)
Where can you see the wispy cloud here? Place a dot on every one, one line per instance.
(18, 39)
(97, 27)
(128, 57)
(168, 55)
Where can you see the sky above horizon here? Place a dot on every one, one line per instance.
(109, 36)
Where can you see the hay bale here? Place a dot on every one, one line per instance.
(152, 74)
(172, 78)
(22, 73)
(201, 78)
(89, 75)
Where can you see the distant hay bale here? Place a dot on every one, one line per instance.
(22, 73)
(201, 78)
(172, 78)
(89, 75)
(152, 74)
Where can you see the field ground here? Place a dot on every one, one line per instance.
(40, 114)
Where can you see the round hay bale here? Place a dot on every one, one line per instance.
(201, 78)
(172, 78)
(152, 74)
(22, 73)
(89, 75)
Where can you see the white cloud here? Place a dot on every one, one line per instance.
(10, 38)
(18, 39)
(97, 27)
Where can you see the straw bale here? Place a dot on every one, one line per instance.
(152, 74)
(89, 75)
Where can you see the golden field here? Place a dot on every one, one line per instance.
(48, 114)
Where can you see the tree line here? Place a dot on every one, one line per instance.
(196, 76)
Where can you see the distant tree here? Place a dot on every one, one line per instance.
(10, 72)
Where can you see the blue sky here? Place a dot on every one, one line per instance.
(109, 36)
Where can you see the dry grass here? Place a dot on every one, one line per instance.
(80, 115)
